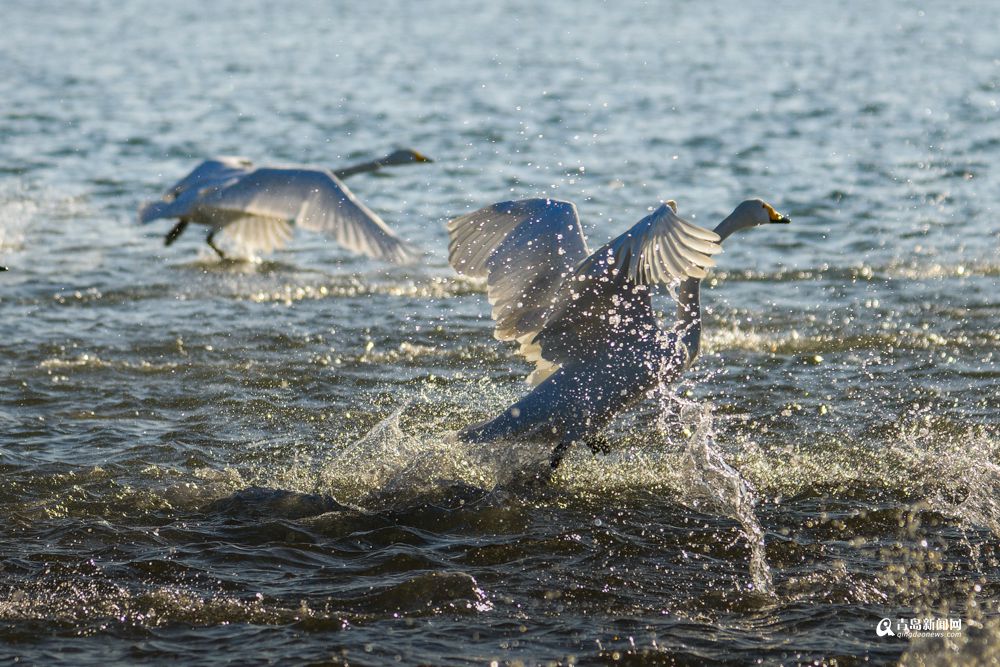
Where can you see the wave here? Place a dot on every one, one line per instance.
(735, 337)
(412, 457)
(905, 270)
(23, 205)
(355, 286)
(93, 361)
(90, 599)
(437, 287)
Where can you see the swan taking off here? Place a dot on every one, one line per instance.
(586, 319)
(258, 206)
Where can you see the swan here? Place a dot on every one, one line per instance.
(586, 319)
(258, 206)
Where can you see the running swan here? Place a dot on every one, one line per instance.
(586, 319)
(257, 206)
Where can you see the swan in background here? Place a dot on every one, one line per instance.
(258, 206)
(586, 319)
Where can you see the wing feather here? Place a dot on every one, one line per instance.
(183, 196)
(609, 299)
(254, 234)
(559, 304)
(525, 249)
(313, 199)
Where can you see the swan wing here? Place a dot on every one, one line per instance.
(182, 197)
(608, 300)
(663, 247)
(313, 199)
(525, 250)
(252, 234)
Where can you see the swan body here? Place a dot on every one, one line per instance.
(259, 206)
(586, 319)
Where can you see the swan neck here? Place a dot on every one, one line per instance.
(364, 167)
(731, 224)
(689, 316)
(689, 295)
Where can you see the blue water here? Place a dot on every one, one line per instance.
(219, 463)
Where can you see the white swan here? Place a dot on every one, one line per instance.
(258, 206)
(586, 319)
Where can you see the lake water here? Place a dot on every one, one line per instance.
(237, 463)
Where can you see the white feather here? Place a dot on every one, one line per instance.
(224, 191)
(550, 294)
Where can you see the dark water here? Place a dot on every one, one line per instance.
(250, 463)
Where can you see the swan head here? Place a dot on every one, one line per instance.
(404, 156)
(756, 212)
(751, 213)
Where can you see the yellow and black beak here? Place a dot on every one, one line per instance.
(420, 157)
(775, 217)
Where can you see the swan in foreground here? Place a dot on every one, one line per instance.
(258, 206)
(586, 319)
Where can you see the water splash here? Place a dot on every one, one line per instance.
(719, 487)
(353, 286)
(17, 209)
(392, 466)
(970, 484)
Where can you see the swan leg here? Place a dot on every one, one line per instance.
(597, 445)
(176, 231)
(209, 240)
(558, 453)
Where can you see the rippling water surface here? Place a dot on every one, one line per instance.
(252, 462)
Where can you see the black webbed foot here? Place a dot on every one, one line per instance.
(599, 445)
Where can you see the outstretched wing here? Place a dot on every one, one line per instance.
(608, 299)
(525, 249)
(253, 234)
(182, 197)
(663, 247)
(313, 199)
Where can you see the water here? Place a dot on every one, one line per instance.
(255, 462)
